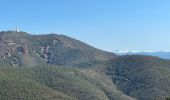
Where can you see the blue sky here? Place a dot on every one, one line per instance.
(105, 24)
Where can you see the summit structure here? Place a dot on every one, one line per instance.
(17, 29)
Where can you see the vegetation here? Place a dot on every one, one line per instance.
(52, 49)
(56, 67)
(143, 77)
(53, 82)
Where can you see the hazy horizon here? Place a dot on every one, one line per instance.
(107, 25)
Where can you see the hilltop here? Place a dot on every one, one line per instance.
(21, 48)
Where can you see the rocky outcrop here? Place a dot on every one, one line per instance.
(44, 51)
(23, 50)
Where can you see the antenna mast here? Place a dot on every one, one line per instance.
(17, 29)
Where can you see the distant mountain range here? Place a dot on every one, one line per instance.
(161, 54)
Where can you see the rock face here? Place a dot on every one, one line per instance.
(44, 51)
(5, 51)
(25, 50)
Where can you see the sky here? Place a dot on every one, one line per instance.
(105, 24)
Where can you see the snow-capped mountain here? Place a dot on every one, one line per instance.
(161, 54)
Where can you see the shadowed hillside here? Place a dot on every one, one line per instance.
(143, 77)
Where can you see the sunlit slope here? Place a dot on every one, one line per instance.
(52, 82)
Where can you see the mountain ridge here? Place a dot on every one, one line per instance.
(53, 48)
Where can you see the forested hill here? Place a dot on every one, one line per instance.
(57, 67)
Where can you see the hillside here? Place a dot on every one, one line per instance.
(52, 66)
(29, 65)
(23, 49)
(142, 77)
(55, 83)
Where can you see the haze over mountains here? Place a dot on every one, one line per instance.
(57, 67)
